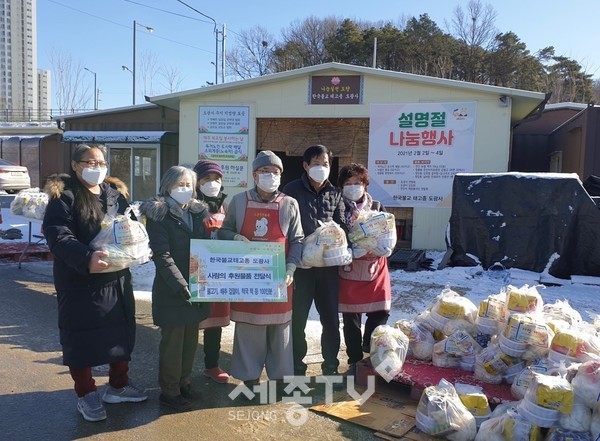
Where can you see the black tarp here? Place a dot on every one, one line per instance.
(532, 221)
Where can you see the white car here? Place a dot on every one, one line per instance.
(13, 177)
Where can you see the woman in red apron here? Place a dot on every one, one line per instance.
(364, 285)
(210, 190)
(262, 337)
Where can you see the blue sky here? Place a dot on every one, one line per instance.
(99, 35)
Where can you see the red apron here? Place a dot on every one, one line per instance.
(214, 222)
(365, 286)
(261, 223)
(219, 311)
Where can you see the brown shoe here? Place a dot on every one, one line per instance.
(177, 402)
(187, 392)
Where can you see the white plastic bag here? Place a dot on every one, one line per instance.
(389, 347)
(125, 240)
(326, 246)
(440, 412)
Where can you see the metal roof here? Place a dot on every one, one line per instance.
(524, 101)
(122, 136)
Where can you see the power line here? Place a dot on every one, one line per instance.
(153, 35)
(178, 15)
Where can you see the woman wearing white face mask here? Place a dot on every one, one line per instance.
(210, 191)
(96, 311)
(172, 219)
(365, 285)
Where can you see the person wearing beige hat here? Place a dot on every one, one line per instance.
(262, 336)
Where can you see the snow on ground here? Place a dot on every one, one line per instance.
(413, 292)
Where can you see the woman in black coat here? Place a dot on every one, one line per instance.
(96, 311)
(172, 219)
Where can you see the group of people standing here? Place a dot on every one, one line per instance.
(96, 308)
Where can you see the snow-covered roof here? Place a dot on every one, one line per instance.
(67, 116)
(26, 136)
(121, 136)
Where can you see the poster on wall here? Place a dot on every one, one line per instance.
(235, 271)
(416, 149)
(235, 173)
(223, 136)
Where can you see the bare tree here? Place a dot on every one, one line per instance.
(171, 78)
(306, 40)
(149, 68)
(69, 91)
(475, 30)
(252, 57)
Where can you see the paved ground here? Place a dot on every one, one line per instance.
(37, 399)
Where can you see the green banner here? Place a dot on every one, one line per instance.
(235, 271)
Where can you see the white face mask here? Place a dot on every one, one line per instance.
(93, 176)
(318, 173)
(210, 188)
(353, 192)
(268, 182)
(182, 195)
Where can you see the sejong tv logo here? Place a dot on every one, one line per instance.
(388, 368)
(297, 390)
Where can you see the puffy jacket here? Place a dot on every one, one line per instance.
(96, 312)
(170, 243)
(323, 206)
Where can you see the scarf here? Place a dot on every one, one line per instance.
(354, 208)
(214, 203)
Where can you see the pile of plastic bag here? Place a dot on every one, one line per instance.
(30, 203)
(547, 352)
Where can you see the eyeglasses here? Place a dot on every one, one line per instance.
(93, 163)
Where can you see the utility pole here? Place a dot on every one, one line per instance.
(216, 63)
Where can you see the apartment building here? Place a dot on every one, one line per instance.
(18, 61)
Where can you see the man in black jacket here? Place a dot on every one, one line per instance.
(319, 200)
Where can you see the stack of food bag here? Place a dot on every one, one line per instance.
(125, 240)
(30, 203)
(371, 230)
(326, 246)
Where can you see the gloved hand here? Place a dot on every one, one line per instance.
(290, 268)
(382, 251)
(240, 238)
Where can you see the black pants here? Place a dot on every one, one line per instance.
(212, 347)
(321, 286)
(352, 332)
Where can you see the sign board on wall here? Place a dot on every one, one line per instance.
(223, 133)
(416, 149)
(335, 89)
(235, 271)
